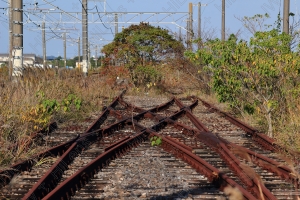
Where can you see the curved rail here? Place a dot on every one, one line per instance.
(262, 139)
(82, 143)
(47, 187)
(81, 177)
(213, 174)
(7, 175)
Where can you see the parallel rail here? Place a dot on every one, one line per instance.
(49, 186)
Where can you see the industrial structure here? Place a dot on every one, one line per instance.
(40, 18)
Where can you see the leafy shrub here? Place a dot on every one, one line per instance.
(255, 77)
(142, 75)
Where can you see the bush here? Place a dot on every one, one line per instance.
(143, 75)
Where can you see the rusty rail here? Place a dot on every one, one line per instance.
(248, 129)
(213, 174)
(96, 125)
(7, 175)
(58, 168)
(81, 177)
(266, 163)
(262, 139)
(211, 140)
(92, 134)
(220, 147)
(284, 172)
(47, 187)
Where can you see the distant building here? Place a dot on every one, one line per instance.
(28, 59)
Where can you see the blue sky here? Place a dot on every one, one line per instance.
(100, 34)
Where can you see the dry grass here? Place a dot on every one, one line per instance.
(233, 193)
(22, 102)
(22, 110)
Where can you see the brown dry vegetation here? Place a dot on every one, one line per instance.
(25, 103)
(42, 96)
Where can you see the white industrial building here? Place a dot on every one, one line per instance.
(28, 59)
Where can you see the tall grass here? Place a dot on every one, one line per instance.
(44, 95)
(30, 102)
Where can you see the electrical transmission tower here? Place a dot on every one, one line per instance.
(95, 22)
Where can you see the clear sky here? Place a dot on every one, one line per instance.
(102, 33)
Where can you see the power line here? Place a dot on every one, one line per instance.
(102, 21)
(61, 10)
(86, 8)
(31, 20)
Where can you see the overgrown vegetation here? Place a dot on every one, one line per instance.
(61, 95)
(42, 96)
(258, 78)
(141, 48)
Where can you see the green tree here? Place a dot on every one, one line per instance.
(71, 62)
(142, 44)
(140, 48)
(255, 76)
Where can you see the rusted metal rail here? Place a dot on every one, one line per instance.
(48, 186)
(219, 145)
(262, 139)
(92, 134)
(213, 174)
(68, 188)
(266, 163)
(80, 178)
(283, 171)
(7, 175)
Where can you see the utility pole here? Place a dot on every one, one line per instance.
(44, 45)
(89, 52)
(223, 20)
(78, 51)
(180, 35)
(10, 22)
(190, 27)
(85, 37)
(286, 13)
(116, 24)
(17, 36)
(65, 50)
(199, 23)
(96, 51)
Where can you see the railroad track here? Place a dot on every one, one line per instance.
(204, 154)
